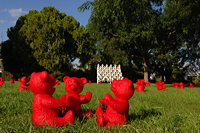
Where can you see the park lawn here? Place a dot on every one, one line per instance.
(170, 110)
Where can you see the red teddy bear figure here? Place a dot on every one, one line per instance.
(57, 82)
(74, 86)
(160, 86)
(198, 84)
(141, 85)
(45, 108)
(190, 84)
(12, 81)
(117, 108)
(1, 82)
(23, 86)
(176, 84)
(181, 85)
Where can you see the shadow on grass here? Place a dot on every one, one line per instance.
(144, 113)
(1, 110)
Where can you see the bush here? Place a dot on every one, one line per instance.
(7, 75)
(196, 80)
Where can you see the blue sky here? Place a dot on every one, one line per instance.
(11, 10)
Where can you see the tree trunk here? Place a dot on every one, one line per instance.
(146, 76)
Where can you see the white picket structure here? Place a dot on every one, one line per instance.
(108, 73)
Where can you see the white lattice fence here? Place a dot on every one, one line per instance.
(108, 73)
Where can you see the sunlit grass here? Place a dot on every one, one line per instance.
(170, 110)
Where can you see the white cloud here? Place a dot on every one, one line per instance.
(16, 12)
(2, 21)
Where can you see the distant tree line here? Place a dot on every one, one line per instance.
(151, 36)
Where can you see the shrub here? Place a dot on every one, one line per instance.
(7, 75)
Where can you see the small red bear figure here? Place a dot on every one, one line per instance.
(198, 84)
(57, 82)
(141, 85)
(12, 81)
(181, 85)
(74, 86)
(148, 83)
(45, 108)
(23, 86)
(176, 84)
(190, 84)
(117, 108)
(160, 86)
(1, 82)
(90, 81)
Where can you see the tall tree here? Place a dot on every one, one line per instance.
(17, 56)
(126, 30)
(52, 39)
(139, 32)
(189, 53)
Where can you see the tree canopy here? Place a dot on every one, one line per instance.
(48, 39)
(141, 33)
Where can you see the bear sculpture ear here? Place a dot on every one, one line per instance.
(84, 80)
(65, 78)
(44, 75)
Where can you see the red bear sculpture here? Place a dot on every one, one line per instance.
(12, 81)
(190, 84)
(117, 108)
(57, 82)
(45, 108)
(90, 81)
(1, 82)
(148, 83)
(141, 85)
(160, 86)
(74, 86)
(176, 84)
(198, 84)
(181, 85)
(23, 86)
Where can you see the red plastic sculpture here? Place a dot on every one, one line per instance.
(148, 83)
(12, 81)
(57, 82)
(176, 84)
(181, 85)
(198, 84)
(90, 81)
(1, 82)
(190, 84)
(141, 85)
(74, 86)
(23, 86)
(160, 86)
(45, 108)
(117, 108)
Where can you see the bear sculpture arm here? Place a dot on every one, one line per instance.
(85, 98)
(24, 86)
(50, 102)
(116, 104)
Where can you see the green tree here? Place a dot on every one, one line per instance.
(125, 31)
(52, 40)
(17, 56)
(139, 33)
(185, 15)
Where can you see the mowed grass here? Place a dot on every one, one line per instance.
(168, 111)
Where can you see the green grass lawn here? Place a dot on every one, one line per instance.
(171, 110)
